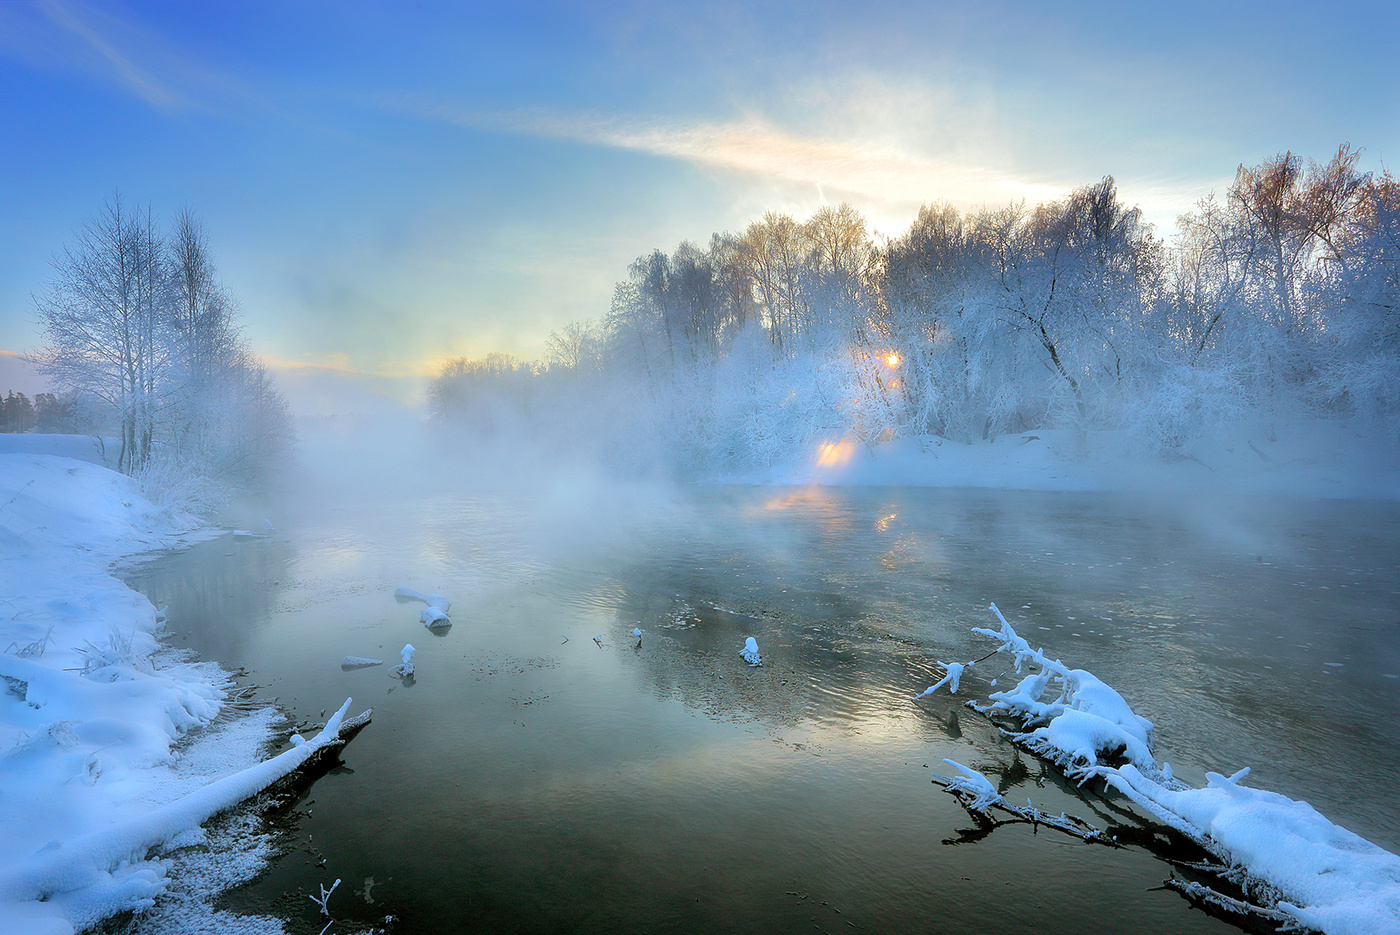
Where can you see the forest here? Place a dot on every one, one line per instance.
(1276, 300)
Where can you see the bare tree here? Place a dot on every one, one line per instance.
(103, 320)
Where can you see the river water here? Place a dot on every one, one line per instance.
(532, 779)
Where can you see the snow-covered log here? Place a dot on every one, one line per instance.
(433, 619)
(1305, 869)
(100, 874)
(435, 601)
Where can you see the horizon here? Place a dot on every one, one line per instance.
(385, 189)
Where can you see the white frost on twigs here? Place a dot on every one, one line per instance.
(954, 673)
(1329, 878)
(359, 662)
(1083, 723)
(976, 789)
(324, 898)
(750, 652)
(405, 668)
(1317, 873)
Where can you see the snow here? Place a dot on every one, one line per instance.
(1323, 458)
(1082, 723)
(432, 618)
(954, 674)
(435, 601)
(1319, 873)
(359, 662)
(103, 752)
(1332, 880)
(750, 652)
(982, 794)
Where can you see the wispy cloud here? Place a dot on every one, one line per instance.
(136, 79)
(72, 37)
(871, 168)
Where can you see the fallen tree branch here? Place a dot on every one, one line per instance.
(1199, 892)
(65, 867)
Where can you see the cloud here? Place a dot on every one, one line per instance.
(72, 37)
(872, 168)
(136, 79)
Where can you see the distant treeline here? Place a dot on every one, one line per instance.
(1278, 298)
(45, 413)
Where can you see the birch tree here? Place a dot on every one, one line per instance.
(102, 317)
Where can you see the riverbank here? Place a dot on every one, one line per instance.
(100, 723)
(1306, 458)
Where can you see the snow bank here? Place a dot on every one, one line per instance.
(91, 709)
(1307, 457)
(1330, 879)
(1320, 874)
(91, 448)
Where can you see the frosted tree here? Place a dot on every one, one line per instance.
(141, 338)
(1363, 373)
(104, 320)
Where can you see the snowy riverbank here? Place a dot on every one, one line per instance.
(1305, 458)
(94, 708)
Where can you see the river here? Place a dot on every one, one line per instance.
(532, 779)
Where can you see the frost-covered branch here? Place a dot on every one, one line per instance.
(1309, 872)
(977, 794)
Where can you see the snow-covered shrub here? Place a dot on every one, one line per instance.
(1186, 403)
(181, 487)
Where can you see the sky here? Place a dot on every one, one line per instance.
(389, 185)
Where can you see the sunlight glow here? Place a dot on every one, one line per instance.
(892, 360)
(835, 454)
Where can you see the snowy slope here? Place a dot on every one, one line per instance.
(90, 710)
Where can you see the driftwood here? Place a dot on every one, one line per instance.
(291, 787)
(92, 860)
(1230, 907)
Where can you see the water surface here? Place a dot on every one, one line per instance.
(532, 779)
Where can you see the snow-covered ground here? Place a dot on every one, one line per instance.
(104, 733)
(1304, 458)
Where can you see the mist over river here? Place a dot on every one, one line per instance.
(532, 779)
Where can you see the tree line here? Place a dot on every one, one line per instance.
(142, 342)
(1277, 298)
(44, 413)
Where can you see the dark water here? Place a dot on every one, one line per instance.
(531, 780)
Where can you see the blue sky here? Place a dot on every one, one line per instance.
(387, 185)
